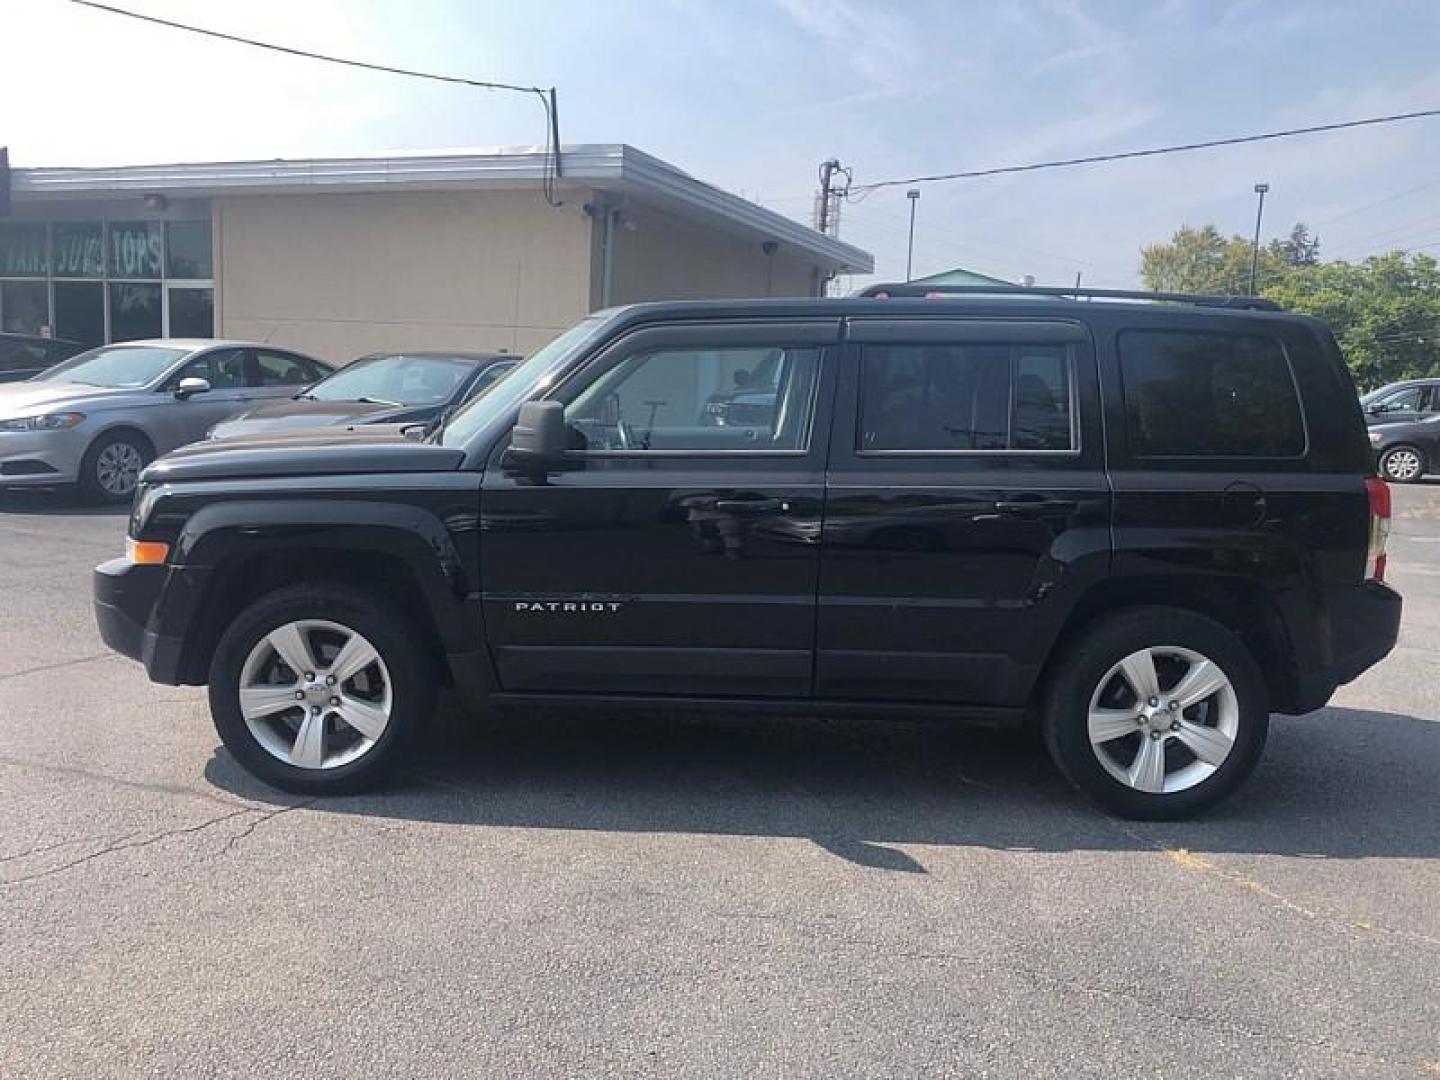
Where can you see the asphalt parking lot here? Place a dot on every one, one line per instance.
(616, 896)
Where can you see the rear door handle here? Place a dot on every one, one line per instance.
(1038, 505)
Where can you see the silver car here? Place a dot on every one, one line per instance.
(98, 418)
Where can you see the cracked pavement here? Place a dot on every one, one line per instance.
(699, 897)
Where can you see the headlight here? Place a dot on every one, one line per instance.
(1376, 436)
(53, 422)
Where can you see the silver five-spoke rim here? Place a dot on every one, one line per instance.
(1163, 719)
(315, 694)
(1403, 464)
(118, 468)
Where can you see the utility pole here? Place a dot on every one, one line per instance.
(827, 208)
(827, 203)
(914, 196)
(1260, 189)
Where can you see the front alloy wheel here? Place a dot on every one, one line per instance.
(315, 694)
(319, 688)
(110, 470)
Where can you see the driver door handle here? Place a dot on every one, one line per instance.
(751, 506)
(1036, 505)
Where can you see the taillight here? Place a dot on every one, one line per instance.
(1379, 494)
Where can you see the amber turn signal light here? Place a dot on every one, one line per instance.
(146, 552)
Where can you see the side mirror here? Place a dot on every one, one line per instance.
(188, 388)
(539, 437)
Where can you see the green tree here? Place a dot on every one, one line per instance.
(1203, 261)
(1384, 311)
(1300, 248)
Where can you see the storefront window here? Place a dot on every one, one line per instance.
(24, 307)
(80, 311)
(145, 279)
(22, 250)
(192, 312)
(79, 250)
(134, 311)
(187, 251)
(135, 249)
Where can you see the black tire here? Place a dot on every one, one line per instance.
(1394, 455)
(1077, 677)
(412, 674)
(91, 487)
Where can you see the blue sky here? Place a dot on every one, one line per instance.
(753, 94)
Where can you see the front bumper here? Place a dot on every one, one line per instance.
(41, 458)
(126, 597)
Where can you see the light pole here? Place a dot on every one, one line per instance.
(914, 196)
(1260, 189)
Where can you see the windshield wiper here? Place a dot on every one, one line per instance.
(378, 401)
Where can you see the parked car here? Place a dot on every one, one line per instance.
(385, 388)
(24, 355)
(1404, 422)
(98, 418)
(1143, 526)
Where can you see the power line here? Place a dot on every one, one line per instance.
(1378, 202)
(290, 51)
(1093, 159)
(546, 97)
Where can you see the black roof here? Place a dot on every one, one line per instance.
(1004, 303)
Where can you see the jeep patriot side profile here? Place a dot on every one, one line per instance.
(1148, 526)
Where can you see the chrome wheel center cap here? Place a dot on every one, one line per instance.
(317, 693)
(1157, 718)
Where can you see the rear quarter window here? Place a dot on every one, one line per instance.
(1209, 394)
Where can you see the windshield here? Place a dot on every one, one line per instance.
(519, 384)
(400, 380)
(115, 366)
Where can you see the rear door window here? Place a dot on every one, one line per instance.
(923, 398)
(1205, 394)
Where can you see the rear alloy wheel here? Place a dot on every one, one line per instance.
(1402, 464)
(1163, 738)
(111, 469)
(1158, 714)
(317, 689)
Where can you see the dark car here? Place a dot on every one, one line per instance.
(384, 388)
(1404, 423)
(24, 355)
(1143, 527)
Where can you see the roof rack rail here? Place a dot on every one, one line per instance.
(922, 291)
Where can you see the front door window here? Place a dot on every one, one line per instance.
(700, 399)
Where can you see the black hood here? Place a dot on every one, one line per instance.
(292, 414)
(379, 448)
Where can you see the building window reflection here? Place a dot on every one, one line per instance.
(102, 281)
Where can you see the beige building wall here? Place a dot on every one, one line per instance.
(338, 275)
(665, 257)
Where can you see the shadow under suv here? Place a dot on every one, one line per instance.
(1144, 526)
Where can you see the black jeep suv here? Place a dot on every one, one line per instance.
(1145, 525)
